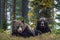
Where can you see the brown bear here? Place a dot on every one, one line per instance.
(21, 28)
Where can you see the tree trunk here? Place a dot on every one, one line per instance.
(25, 10)
(0, 14)
(3, 21)
(14, 9)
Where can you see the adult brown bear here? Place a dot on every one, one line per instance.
(22, 29)
(42, 26)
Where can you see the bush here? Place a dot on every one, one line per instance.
(57, 31)
(1, 30)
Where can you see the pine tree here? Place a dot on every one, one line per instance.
(57, 6)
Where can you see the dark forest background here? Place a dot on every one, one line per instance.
(30, 11)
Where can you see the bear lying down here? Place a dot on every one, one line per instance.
(22, 29)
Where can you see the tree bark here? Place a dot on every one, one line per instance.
(3, 12)
(14, 9)
(25, 10)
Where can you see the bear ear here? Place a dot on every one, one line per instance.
(23, 21)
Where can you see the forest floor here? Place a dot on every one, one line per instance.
(46, 36)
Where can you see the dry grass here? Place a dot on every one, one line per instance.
(46, 36)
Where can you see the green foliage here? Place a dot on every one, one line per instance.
(57, 31)
(44, 6)
(58, 16)
(58, 4)
(58, 24)
(1, 30)
(20, 18)
(18, 7)
(4, 25)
